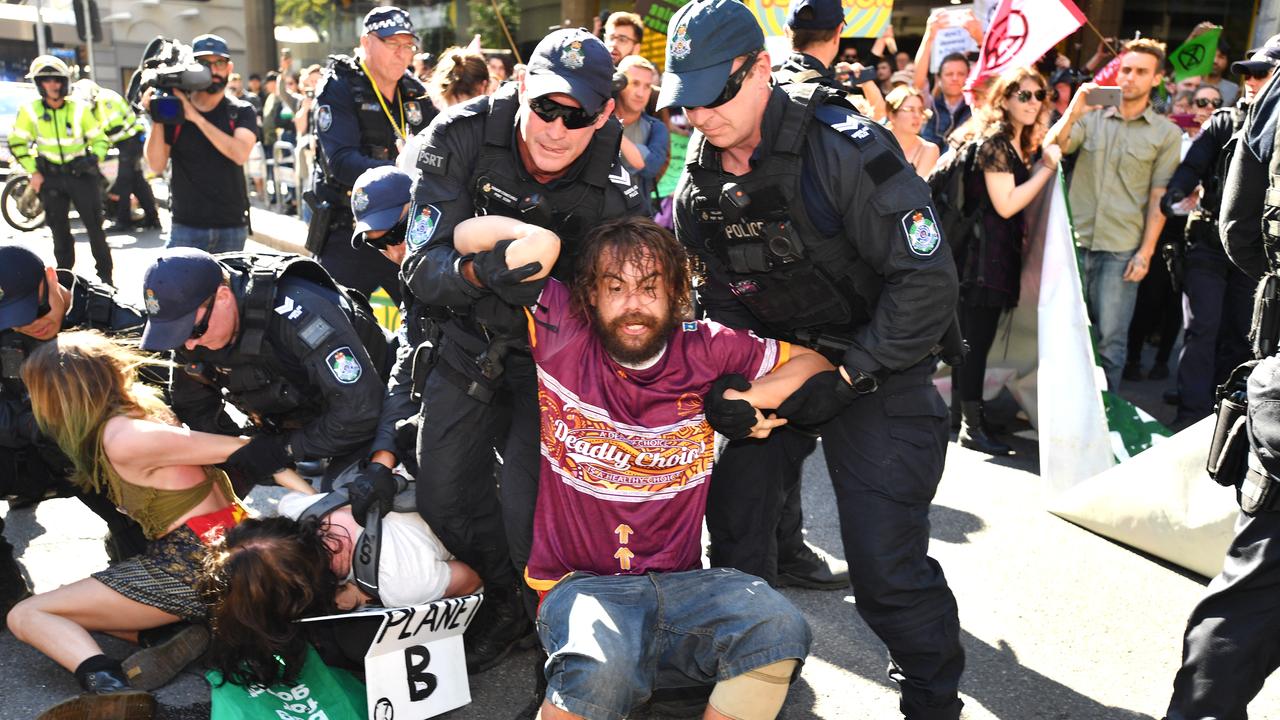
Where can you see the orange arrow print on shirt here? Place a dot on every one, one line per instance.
(624, 532)
(624, 556)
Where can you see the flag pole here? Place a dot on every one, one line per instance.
(505, 31)
(1098, 32)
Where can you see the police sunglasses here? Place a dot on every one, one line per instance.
(1026, 95)
(574, 118)
(44, 308)
(202, 327)
(733, 85)
(1206, 102)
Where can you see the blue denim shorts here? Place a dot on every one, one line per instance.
(612, 639)
(211, 240)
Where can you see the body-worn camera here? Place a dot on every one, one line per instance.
(167, 65)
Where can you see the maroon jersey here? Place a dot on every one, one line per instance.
(626, 454)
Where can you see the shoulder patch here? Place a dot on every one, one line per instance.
(851, 125)
(620, 177)
(314, 332)
(690, 326)
(413, 113)
(436, 163)
(423, 226)
(921, 231)
(290, 309)
(344, 365)
(324, 118)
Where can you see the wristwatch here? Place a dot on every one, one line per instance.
(862, 382)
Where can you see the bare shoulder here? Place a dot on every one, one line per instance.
(127, 440)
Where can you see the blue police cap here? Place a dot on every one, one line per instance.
(20, 274)
(703, 38)
(174, 288)
(573, 62)
(815, 14)
(210, 45)
(1261, 60)
(387, 21)
(378, 199)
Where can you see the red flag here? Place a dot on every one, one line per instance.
(1107, 75)
(1018, 36)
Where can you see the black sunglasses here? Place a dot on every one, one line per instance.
(1026, 95)
(202, 327)
(733, 85)
(1250, 75)
(1206, 102)
(44, 308)
(575, 118)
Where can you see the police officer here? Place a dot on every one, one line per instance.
(544, 150)
(366, 107)
(1219, 295)
(125, 131)
(36, 303)
(1230, 645)
(815, 27)
(288, 347)
(68, 144)
(813, 228)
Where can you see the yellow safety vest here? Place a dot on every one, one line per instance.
(116, 117)
(57, 135)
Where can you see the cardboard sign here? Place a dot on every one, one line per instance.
(949, 40)
(415, 665)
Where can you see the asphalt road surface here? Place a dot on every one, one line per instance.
(1058, 623)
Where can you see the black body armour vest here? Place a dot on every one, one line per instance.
(775, 261)
(377, 136)
(1271, 214)
(254, 377)
(570, 209)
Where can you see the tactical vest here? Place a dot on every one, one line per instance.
(1271, 214)
(377, 136)
(570, 209)
(258, 382)
(776, 262)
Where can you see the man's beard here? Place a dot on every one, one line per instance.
(217, 84)
(617, 344)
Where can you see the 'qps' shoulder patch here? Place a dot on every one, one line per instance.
(344, 365)
(324, 118)
(921, 231)
(423, 226)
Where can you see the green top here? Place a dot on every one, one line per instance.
(155, 509)
(1120, 163)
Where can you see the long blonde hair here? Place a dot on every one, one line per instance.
(77, 382)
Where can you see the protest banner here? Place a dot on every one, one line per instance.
(1194, 58)
(415, 665)
(951, 39)
(1021, 31)
(862, 18)
(656, 16)
(1107, 75)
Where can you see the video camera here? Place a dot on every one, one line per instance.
(167, 65)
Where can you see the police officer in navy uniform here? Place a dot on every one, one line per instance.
(814, 229)
(811, 17)
(366, 107)
(1219, 295)
(302, 358)
(1232, 641)
(544, 150)
(36, 303)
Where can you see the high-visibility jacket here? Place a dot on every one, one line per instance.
(116, 117)
(57, 135)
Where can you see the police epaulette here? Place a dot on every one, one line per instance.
(846, 122)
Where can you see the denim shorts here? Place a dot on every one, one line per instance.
(211, 240)
(612, 639)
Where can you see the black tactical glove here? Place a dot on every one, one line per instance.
(1171, 197)
(264, 456)
(508, 284)
(731, 418)
(374, 486)
(819, 399)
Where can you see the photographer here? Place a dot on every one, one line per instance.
(209, 200)
(58, 141)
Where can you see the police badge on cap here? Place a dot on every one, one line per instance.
(387, 21)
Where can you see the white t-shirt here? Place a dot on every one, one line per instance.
(413, 565)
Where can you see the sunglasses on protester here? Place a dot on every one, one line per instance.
(1026, 95)
(1206, 102)
(734, 84)
(202, 327)
(575, 118)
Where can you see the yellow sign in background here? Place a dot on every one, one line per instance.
(862, 18)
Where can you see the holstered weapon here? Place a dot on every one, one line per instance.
(321, 217)
(1265, 330)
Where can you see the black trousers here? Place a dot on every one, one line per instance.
(979, 326)
(1233, 636)
(363, 269)
(131, 181)
(58, 193)
(885, 455)
(1158, 308)
(1218, 304)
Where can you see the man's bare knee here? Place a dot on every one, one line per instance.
(754, 695)
(551, 712)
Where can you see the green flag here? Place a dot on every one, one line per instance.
(1195, 56)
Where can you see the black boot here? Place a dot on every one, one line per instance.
(165, 652)
(972, 433)
(955, 404)
(504, 627)
(107, 694)
(810, 567)
(13, 584)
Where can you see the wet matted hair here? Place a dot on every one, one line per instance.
(641, 242)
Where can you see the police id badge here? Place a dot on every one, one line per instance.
(921, 230)
(423, 226)
(344, 365)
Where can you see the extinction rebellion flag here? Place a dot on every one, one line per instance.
(1195, 57)
(1018, 36)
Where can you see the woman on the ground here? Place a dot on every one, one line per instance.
(906, 116)
(1002, 183)
(121, 438)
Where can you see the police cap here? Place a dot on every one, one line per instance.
(703, 38)
(387, 21)
(815, 14)
(573, 62)
(20, 274)
(1261, 60)
(378, 199)
(174, 288)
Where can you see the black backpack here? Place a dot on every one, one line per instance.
(959, 225)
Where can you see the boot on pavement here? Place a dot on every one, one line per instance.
(505, 627)
(107, 696)
(165, 654)
(13, 584)
(973, 433)
(814, 569)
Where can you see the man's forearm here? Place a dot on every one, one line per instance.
(1155, 223)
(631, 153)
(156, 150)
(1060, 133)
(769, 391)
(226, 144)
